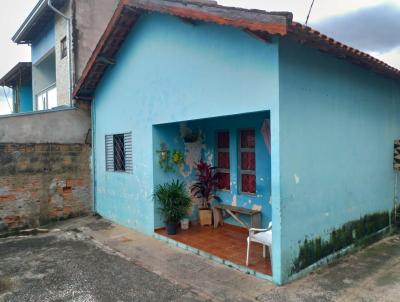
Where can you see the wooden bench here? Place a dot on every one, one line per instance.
(221, 209)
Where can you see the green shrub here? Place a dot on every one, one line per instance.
(174, 200)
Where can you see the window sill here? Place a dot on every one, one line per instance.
(248, 194)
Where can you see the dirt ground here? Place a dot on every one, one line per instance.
(91, 259)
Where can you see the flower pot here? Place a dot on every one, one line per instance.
(185, 224)
(205, 217)
(172, 228)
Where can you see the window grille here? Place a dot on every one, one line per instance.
(223, 164)
(119, 153)
(247, 161)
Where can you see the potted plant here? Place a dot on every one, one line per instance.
(174, 202)
(204, 189)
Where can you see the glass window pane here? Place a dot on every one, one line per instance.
(223, 160)
(223, 139)
(248, 183)
(248, 161)
(119, 152)
(224, 181)
(247, 138)
(41, 101)
(52, 98)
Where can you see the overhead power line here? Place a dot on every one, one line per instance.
(6, 97)
(309, 11)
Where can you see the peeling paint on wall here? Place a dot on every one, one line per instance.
(193, 150)
(257, 207)
(234, 200)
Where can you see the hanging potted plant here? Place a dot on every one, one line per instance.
(204, 189)
(174, 202)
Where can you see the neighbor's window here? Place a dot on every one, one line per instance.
(47, 99)
(223, 165)
(247, 161)
(63, 47)
(119, 152)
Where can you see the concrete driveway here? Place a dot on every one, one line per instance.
(65, 267)
(90, 259)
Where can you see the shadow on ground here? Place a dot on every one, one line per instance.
(61, 267)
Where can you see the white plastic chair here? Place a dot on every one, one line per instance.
(262, 236)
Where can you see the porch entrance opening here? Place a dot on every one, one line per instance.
(237, 148)
(228, 242)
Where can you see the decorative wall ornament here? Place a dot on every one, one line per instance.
(165, 158)
(396, 158)
(177, 157)
(194, 146)
(167, 161)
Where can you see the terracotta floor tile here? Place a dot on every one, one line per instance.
(227, 242)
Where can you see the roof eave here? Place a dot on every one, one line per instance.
(263, 22)
(315, 39)
(19, 69)
(29, 21)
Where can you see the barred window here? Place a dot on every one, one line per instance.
(119, 153)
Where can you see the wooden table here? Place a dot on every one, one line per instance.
(221, 209)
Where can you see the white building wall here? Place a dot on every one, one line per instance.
(63, 64)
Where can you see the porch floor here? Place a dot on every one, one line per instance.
(227, 242)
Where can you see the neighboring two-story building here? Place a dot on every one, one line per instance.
(45, 144)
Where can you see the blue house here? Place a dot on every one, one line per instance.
(301, 126)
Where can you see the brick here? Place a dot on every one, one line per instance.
(7, 198)
(37, 177)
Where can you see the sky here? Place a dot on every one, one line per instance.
(370, 25)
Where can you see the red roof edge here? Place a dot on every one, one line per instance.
(254, 21)
(307, 35)
(128, 11)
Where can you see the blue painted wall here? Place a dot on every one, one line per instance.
(43, 43)
(171, 135)
(337, 127)
(169, 71)
(25, 96)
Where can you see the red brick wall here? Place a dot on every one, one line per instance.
(43, 182)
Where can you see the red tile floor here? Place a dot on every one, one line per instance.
(227, 242)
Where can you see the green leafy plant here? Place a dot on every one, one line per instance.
(174, 201)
